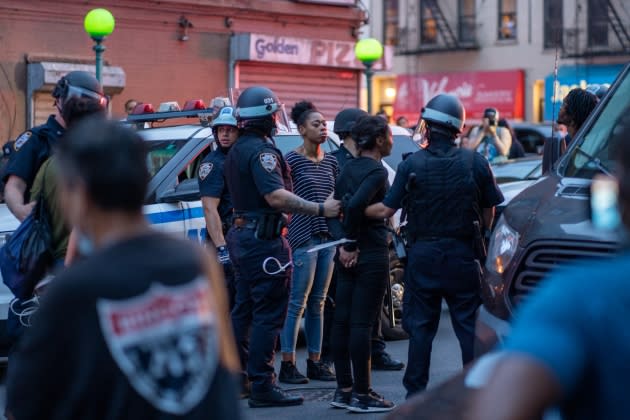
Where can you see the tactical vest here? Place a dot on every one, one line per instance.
(239, 177)
(445, 199)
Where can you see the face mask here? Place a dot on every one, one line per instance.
(85, 245)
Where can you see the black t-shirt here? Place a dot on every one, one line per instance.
(362, 181)
(126, 333)
(212, 182)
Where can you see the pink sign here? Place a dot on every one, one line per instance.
(503, 90)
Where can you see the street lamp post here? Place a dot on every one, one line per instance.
(368, 51)
(99, 23)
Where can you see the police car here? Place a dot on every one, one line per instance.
(175, 153)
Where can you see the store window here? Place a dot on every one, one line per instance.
(390, 24)
(467, 21)
(507, 19)
(428, 26)
(597, 24)
(553, 23)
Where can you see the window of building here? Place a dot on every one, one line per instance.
(428, 25)
(390, 24)
(507, 19)
(467, 30)
(597, 24)
(553, 23)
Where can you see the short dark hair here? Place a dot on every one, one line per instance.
(77, 108)
(578, 104)
(367, 129)
(109, 159)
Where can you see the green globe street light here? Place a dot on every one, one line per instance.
(368, 51)
(99, 23)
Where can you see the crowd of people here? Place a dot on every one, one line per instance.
(147, 325)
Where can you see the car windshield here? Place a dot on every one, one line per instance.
(289, 142)
(517, 170)
(160, 152)
(402, 144)
(592, 154)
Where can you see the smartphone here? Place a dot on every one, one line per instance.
(604, 203)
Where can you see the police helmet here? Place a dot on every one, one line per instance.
(344, 121)
(598, 90)
(256, 102)
(225, 117)
(79, 84)
(445, 111)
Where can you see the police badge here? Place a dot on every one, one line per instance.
(204, 170)
(165, 342)
(19, 142)
(269, 161)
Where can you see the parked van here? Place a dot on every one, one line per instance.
(548, 224)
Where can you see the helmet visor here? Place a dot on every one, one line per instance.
(281, 119)
(79, 92)
(420, 133)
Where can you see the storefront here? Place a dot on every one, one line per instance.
(323, 71)
(478, 90)
(570, 77)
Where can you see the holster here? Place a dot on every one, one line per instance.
(270, 226)
(479, 244)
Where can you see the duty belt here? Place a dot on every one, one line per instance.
(245, 222)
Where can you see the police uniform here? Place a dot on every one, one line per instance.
(32, 148)
(212, 184)
(254, 168)
(453, 186)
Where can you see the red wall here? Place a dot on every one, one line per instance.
(145, 43)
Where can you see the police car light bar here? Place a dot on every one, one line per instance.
(193, 108)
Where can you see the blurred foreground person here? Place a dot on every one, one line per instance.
(139, 328)
(569, 346)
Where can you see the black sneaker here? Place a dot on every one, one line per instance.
(385, 362)
(369, 403)
(319, 371)
(275, 397)
(290, 375)
(341, 399)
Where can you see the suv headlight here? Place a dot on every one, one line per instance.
(503, 244)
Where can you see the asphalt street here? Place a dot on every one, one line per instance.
(445, 362)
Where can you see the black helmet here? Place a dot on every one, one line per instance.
(80, 84)
(344, 121)
(255, 103)
(446, 111)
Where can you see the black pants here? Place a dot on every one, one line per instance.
(261, 302)
(359, 298)
(443, 269)
(377, 340)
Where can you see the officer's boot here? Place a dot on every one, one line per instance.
(319, 371)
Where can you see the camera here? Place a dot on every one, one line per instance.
(492, 114)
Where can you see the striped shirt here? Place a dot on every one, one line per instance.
(313, 182)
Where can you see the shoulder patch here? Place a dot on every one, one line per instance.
(23, 138)
(269, 161)
(204, 170)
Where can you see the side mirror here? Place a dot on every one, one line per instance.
(187, 190)
(554, 148)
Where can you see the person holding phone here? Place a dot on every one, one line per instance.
(490, 140)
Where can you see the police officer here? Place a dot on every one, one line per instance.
(34, 146)
(449, 194)
(215, 197)
(380, 360)
(258, 181)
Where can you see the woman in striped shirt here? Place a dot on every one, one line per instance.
(314, 173)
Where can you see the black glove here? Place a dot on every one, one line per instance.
(223, 255)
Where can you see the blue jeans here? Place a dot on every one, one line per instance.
(311, 278)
